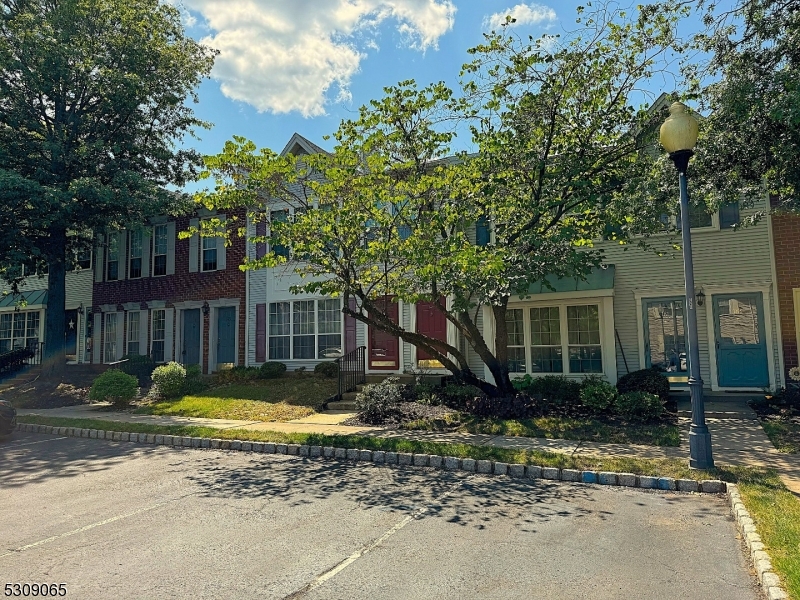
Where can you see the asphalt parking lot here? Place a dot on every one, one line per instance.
(122, 520)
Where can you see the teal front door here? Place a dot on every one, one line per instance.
(191, 337)
(740, 342)
(226, 335)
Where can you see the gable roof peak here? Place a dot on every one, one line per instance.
(299, 145)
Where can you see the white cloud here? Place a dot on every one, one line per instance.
(525, 14)
(287, 55)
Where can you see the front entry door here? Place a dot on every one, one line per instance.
(384, 348)
(432, 323)
(71, 333)
(191, 337)
(226, 336)
(740, 342)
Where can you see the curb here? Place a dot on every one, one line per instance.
(446, 463)
(769, 581)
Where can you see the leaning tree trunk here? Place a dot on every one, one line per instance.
(53, 357)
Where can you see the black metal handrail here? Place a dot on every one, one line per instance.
(18, 358)
(352, 370)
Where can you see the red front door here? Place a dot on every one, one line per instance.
(432, 323)
(384, 349)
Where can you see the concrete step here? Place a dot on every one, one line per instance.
(343, 405)
(377, 378)
(349, 396)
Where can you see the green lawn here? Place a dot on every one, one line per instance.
(565, 428)
(784, 435)
(281, 399)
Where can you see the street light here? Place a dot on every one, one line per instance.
(678, 136)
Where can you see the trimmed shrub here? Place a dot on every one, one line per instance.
(169, 379)
(556, 390)
(457, 396)
(639, 406)
(271, 370)
(376, 402)
(114, 386)
(645, 380)
(597, 395)
(328, 369)
(138, 365)
(194, 383)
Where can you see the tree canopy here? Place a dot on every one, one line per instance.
(563, 154)
(93, 108)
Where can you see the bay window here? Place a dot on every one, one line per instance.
(18, 330)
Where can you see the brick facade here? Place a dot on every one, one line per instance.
(786, 237)
(183, 287)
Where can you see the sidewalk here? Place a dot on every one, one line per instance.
(737, 436)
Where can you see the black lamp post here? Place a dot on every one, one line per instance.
(679, 136)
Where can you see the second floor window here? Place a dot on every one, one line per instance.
(209, 258)
(280, 216)
(160, 250)
(135, 255)
(112, 260)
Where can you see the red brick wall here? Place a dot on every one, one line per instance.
(786, 236)
(184, 286)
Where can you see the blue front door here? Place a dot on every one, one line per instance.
(740, 342)
(226, 335)
(191, 337)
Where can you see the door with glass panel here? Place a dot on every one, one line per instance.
(740, 343)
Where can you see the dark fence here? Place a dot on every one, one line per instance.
(352, 370)
(18, 358)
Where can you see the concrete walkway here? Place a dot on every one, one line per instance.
(737, 436)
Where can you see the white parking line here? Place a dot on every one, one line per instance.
(92, 526)
(31, 443)
(368, 547)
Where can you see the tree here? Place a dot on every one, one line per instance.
(750, 87)
(92, 109)
(562, 158)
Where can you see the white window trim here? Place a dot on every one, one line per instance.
(128, 330)
(202, 252)
(153, 255)
(130, 257)
(291, 335)
(153, 331)
(105, 337)
(116, 235)
(604, 301)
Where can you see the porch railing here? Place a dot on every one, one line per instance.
(352, 370)
(18, 358)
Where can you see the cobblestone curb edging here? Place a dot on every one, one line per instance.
(448, 463)
(769, 581)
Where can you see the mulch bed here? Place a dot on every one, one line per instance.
(47, 394)
(407, 412)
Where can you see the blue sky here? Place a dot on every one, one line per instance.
(302, 66)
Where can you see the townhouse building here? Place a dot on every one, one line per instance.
(170, 298)
(626, 316)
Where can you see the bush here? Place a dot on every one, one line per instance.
(639, 406)
(327, 369)
(520, 406)
(597, 395)
(169, 379)
(425, 393)
(375, 403)
(194, 383)
(138, 365)
(114, 386)
(457, 395)
(556, 390)
(645, 380)
(236, 374)
(271, 370)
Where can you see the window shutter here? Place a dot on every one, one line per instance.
(99, 262)
(122, 265)
(728, 215)
(171, 248)
(261, 333)
(97, 337)
(261, 247)
(144, 321)
(221, 262)
(146, 241)
(120, 335)
(169, 314)
(194, 246)
(482, 232)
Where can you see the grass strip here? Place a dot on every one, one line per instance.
(561, 428)
(775, 510)
(784, 436)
